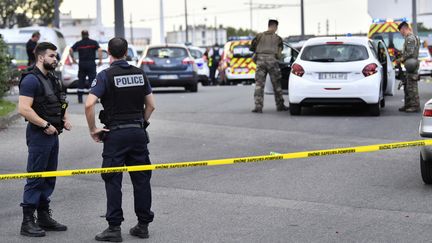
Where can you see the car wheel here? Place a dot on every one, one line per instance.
(192, 88)
(426, 170)
(295, 109)
(382, 103)
(374, 109)
(205, 82)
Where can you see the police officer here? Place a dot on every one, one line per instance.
(30, 47)
(127, 99)
(409, 58)
(43, 105)
(214, 55)
(268, 47)
(86, 49)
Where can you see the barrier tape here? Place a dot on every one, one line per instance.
(251, 159)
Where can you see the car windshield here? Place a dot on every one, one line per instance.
(391, 39)
(242, 51)
(196, 53)
(167, 52)
(334, 53)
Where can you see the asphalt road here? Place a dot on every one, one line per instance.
(370, 197)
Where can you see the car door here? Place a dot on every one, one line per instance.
(289, 55)
(390, 74)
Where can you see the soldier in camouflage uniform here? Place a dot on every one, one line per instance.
(267, 47)
(410, 51)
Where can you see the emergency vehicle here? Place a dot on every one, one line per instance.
(236, 64)
(387, 31)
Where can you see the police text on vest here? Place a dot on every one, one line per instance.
(129, 81)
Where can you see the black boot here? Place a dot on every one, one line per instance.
(46, 222)
(140, 230)
(111, 234)
(28, 226)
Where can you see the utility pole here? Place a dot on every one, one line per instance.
(302, 18)
(327, 27)
(119, 19)
(56, 13)
(186, 20)
(319, 28)
(250, 11)
(131, 29)
(216, 33)
(414, 16)
(161, 22)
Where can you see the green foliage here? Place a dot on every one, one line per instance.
(5, 71)
(26, 12)
(239, 32)
(6, 107)
(422, 28)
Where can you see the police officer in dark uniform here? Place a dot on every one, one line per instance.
(43, 105)
(128, 103)
(86, 49)
(30, 47)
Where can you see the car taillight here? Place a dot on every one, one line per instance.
(298, 70)
(22, 67)
(147, 61)
(370, 69)
(427, 112)
(188, 60)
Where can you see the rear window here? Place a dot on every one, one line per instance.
(334, 53)
(196, 53)
(104, 55)
(170, 52)
(242, 51)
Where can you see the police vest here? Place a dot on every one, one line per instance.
(51, 104)
(125, 96)
(268, 43)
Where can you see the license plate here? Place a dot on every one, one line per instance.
(241, 70)
(168, 77)
(333, 76)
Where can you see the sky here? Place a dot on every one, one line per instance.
(344, 16)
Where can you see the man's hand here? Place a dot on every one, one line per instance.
(95, 134)
(51, 130)
(67, 125)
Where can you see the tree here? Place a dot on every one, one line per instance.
(239, 32)
(26, 12)
(5, 72)
(422, 28)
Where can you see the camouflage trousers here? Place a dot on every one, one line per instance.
(268, 65)
(411, 91)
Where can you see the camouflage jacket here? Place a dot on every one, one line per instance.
(267, 43)
(411, 47)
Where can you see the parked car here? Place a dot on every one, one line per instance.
(425, 131)
(201, 62)
(425, 59)
(339, 71)
(236, 64)
(69, 70)
(170, 65)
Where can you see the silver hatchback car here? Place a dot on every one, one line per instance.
(425, 131)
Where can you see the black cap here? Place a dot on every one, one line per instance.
(404, 23)
(273, 22)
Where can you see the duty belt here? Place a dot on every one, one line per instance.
(123, 126)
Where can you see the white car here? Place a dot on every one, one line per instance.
(203, 69)
(69, 70)
(425, 131)
(339, 71)
(425, 59)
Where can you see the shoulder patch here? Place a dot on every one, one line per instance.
(129, 80)
(94, 83)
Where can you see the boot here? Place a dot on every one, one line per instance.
(412, 110)
(28, 226)
(46, 222)
(282, 108)
(257, 110)
(140, 230)
(111, 234)
(402, 109)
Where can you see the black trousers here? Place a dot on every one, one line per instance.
(127, 146)
(85, 71)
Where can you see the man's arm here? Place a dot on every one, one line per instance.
(90, 116)
(25, 109)
(66, 120)
(100, 56)
(149, 106)
(71, 53)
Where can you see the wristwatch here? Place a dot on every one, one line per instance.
(47, 126)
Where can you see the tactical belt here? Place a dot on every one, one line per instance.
(123, 126)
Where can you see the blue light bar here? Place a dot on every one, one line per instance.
(383, 20)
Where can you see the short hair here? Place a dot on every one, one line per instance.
(117, 47)
(84, 34)
(42, 47)
(273, 22)
(36, 33)
(403, 24)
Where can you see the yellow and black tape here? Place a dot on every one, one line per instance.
(251, 159)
